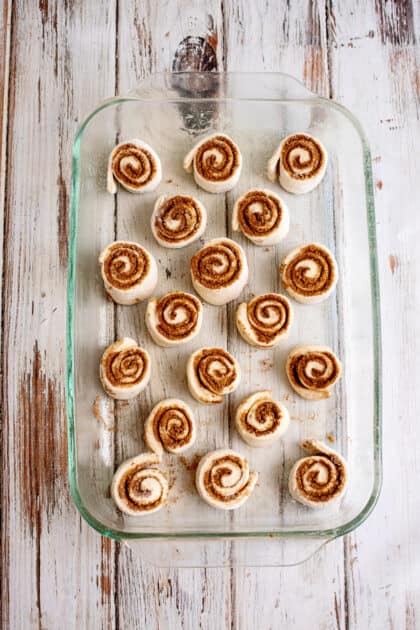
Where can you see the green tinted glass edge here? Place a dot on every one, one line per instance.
(376, 320)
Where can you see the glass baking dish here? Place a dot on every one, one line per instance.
(170, 111)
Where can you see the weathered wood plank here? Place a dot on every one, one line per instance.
(55, 567)
(375, 46)
(293, 39)
(5, 39)
(163, 598)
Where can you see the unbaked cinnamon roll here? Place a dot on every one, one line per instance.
(212, 373)
(219, 271)
(170, 426)
(260, 420)
(223, 479)
(178, 221)
(135, 165)
(124, 369)
(312, 370)
(299, 162)
(173, 319)
(309, 273)
(138, 487)
(262, 216)
(265, 320)
(216, 163)
(319, 479)
(129, 272)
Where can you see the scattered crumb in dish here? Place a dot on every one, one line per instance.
(102, 413)
(330, 437)
(192, 463)
(266, 364)
(311, 417)
(122, 403)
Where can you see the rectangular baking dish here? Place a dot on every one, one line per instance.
(170, 111)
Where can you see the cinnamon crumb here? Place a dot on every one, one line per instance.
(312, 416)
(96, 410)
(267, 249)
(393, 263)
(266, 364)
(169, 181)
(190, 464)
(330, 437)
(100, 409)
(122, 403)
(171, 483)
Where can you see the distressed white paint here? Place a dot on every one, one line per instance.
(371, 578)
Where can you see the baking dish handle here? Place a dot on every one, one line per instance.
(196, 553)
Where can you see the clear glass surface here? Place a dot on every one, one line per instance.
(171, 111)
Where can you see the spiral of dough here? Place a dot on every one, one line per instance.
(299, 162)
(138, 487)
(216, 163)
(124, 369)
(135, 165)
(178, 221)
(312, 370)
(309, 273)
(265, 320)
(212, 373)
(260, 420)
(170, 426)
(223, 479)
(320, 478)
(262, 217)
(219, 271)
(129, 272)
(174, 319)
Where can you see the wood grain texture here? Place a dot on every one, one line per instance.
(254, 41)
(43, 539)
(57, 61)
(382, 576)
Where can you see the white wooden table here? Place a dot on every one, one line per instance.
(57, 61)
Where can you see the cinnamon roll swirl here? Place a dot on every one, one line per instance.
(309, 273)
(212, 373)
(216, 163)
(264, 321)
(260, 420)
(223, 479)
(319, 479)
(173, 319)
(135, 165)
(312, 370)
(178, 221)
(170, 426)
(262, 216)
(129, 272)
(219, 271)
(138, 487)
(299, 162)
(124, 369)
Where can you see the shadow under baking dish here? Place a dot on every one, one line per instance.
(170, 111)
